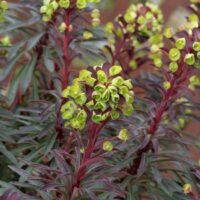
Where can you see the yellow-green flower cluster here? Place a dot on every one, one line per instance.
(139, 24)
(193, 19)
(102, 92)
(50, 6)
(178, 53)
(3, 8)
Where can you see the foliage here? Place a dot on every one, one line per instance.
(113, 130)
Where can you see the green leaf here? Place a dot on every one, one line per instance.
(26, 74)
(34, 40)
(7, 69)
(8, 154)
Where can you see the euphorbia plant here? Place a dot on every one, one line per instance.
(113, 130)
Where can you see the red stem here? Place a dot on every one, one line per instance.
(174, 82)
(66, 43)
(118, 50)
(94, 130)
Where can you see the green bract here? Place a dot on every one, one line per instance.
(166, 85)
(109, 27)
(130, 16)
(174, 54)
(115, 70)
(107, 146)
(123, 135)
(157, 62)
(173, 66)
(87, 35)
(64, 3)
(81, 4)
(5, 41)
(133, 64)
(168, 33)
(4, 5)
(196, 46)
(180, 43)
(189, 59)
(194, 80)
(109, 95)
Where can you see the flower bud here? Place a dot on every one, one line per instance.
(189, 59)
(81, 4)
(101, 76)
(133, 64)
(97, 118)
(54, 5)
(127, 109)
(141, 20)
(4, 5)
(95, 22)
(157, 62)
(109, 27)
(43, 9)
(107, 146)
(194, 80)
(180, 43)
(100, 106)
(196, 46)
(106, 95)
(114, 114)
(123, 135)
(129, 16)
(100, 88)
(62, 27)
(5, 41)
(118, 81)
(82, 150)
(173, 67)
(115, 70)
(187, 188)
(168, 33)
(81, 99)
(87, 35)
(128, 83)
(130, 28)
(64, 3)
(174, 54)
(166, 85)
(95, 13)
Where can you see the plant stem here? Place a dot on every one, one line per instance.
(177, 80)
(66, 54)
(118, 48)
(94, 131)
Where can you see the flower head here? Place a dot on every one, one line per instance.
(102, 91)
